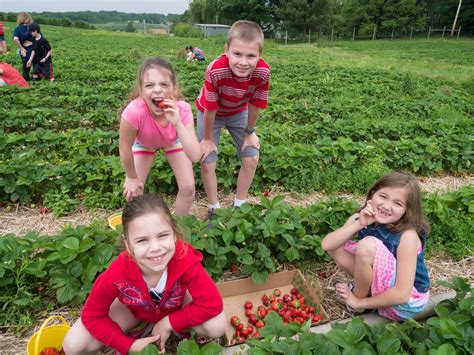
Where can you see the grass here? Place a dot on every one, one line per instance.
(435, 58)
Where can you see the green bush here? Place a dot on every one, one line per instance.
(186, 30)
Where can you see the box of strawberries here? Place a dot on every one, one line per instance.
(288, 293)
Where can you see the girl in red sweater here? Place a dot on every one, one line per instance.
(158, 280)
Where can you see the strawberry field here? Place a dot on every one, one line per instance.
(339, 116)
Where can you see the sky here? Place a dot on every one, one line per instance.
(133, 6)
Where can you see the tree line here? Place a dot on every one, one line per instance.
(88, 19)
(301, 16)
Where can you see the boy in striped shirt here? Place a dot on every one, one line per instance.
(235, 89)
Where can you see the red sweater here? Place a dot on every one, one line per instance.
(123, 280)
(229, 94)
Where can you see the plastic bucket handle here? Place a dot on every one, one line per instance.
(43, 326)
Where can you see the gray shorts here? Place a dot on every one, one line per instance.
(236, 125)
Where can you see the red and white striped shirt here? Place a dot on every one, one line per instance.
(229, 94)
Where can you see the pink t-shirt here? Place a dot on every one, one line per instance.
(150, 134)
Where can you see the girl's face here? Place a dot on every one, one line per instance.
(152, 243)
(156, 86)
(389, 204)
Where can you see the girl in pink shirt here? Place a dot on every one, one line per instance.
(156, 118)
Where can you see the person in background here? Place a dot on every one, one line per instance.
(41, 55)
(3, 43)
(24, 40)
(156, 118)
(10, 76)
(194, 53)
(235, 89)
(386, 261)
(158, 282)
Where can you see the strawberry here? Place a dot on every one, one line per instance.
(162, 105)
(234, 320)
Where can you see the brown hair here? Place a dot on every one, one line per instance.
(413, 216)
(24, 18)
(155, 62)
(144, 204)
(246, 31)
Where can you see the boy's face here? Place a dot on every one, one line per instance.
(34, 33)
(243, 57)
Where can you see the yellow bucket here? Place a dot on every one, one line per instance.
(48, 336)
(115, 220)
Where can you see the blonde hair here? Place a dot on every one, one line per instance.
(413, 216)
(155, 62)
(246, 31)
(24, 18)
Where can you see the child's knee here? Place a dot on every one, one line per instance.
(215, 327)
(366, 248)
(187, 190)
(79, 341)
(250, 162)
(208, 168)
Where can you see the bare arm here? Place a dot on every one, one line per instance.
(337, 238)
(47, 55)
(133, 186)
(189, 141)
(32, 56)
(16, 40)
(254, 111)
(207, 144)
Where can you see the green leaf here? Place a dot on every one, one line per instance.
(71, 243)
(388, 345)
(445, 349)
(150, 349)
(211, 348)
(68, 292)
(186, 347)
(103, 254)
(278, 200)
(292, 254)
(74, 269)
(259, 277)
(227, 237)
(338, 336)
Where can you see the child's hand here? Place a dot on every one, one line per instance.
(139, 344)
(251, 140)
(207, 147)
(43, 60)
(28, 64)
(367, 215)
(163, 329)
(346, 295)
(132, 188)
(23, 52)
(171, 111)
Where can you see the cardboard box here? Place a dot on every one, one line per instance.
(235, 293)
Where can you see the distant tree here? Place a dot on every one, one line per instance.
(383, 15)
(65, 22)
(129, 27)
(298, 16)
(186, 30)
